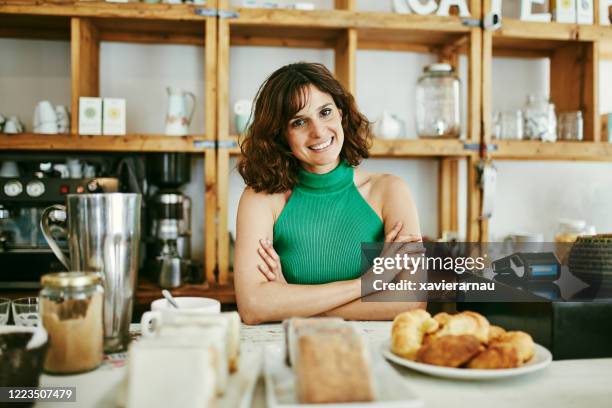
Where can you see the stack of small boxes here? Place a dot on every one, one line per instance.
(102, 116)
(573, 11)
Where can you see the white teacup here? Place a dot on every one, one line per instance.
(13, 126)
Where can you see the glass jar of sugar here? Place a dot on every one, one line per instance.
(71, 312)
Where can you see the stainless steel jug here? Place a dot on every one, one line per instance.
(103, 237)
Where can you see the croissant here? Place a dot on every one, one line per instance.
(408, 330)
(521, 341)
(469, 323)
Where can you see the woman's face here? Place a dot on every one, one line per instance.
(315, 134)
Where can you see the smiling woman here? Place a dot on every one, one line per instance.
(307, 207)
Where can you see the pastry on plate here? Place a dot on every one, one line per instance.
(408, 330)
(469, 323)
(449, 351)
(502, 355)
(521, 341)
(495, 332)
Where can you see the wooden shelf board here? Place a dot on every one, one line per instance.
(408, 148)
(150, 31)
(561, 150)
(419, 148)
(322, 28)
(169, 12)
(148, 291)
(128, 143)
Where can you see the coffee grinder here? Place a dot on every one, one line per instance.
(169, 214)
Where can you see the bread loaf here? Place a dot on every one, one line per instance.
(332, 366)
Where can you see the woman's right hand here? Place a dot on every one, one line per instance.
(270, 267)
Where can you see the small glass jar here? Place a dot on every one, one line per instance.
(71, 312)
(569, 230)
(571, 126)
(437, 102)
(508, 125)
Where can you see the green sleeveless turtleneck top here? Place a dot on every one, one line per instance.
(318, 234)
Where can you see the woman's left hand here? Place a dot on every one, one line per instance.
(271, 267)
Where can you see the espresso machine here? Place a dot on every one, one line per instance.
(27, 187)
(169, 214)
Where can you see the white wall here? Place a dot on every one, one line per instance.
(531, 195)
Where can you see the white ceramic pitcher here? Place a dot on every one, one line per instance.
(179, 117)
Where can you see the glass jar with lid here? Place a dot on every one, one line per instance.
(540, 119)
(71, 312)
(569, 230)
(437, 102)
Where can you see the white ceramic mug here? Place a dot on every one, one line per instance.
(532, 241)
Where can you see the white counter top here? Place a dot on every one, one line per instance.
(568, 383)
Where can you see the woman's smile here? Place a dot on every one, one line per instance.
(321, 147)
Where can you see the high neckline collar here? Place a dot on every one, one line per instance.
(337, 179)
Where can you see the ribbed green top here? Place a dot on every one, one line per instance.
(318, 234)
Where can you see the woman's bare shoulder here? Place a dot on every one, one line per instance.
(257, 202)
(380, 184)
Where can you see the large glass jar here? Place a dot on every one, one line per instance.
(71, 312)
(540, 119)
(437, 102)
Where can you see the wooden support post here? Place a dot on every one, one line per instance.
(574, 81)
(474, 202)
(223, 119)
(210, 159)
(84, 64)
(448, 195)
(346, 59)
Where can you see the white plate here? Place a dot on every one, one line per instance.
(392, 389)
(541, 359)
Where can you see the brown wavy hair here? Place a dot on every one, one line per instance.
(267, 162)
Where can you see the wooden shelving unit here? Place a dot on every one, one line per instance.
(574, 51)
(345, 30)
(85, 25)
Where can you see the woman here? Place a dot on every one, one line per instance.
(307, 207)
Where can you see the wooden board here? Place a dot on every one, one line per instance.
(144, 11)
(129, 143)
(561, 150)
(210, 160)
(448, 196)
(223, 118)
(346, 60)
(85, 64)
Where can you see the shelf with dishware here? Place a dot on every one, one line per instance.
(86, 25)
(128, 143)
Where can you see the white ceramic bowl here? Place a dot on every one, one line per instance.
(200, 304)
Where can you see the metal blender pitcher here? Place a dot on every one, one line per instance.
(103, 237)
